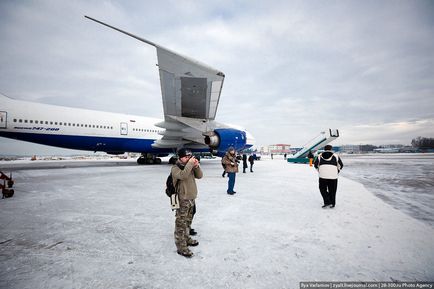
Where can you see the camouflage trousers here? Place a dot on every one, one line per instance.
(184, 217)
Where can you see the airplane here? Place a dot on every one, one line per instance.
(190, 91)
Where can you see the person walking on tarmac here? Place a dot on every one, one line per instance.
(231, 167)
(244, 163)
(328, 165)
(310, 157)
(184, 174)
(251, 161)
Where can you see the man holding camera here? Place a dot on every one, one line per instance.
(184, 174)
(231, 167)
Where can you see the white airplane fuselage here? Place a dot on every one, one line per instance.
(76, 128)
(81, 129)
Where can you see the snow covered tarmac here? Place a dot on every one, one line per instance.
(111, 227)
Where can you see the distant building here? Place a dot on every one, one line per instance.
(263, 150)
(351, 149)
(279, 149)
(367, 148)
(392, 146)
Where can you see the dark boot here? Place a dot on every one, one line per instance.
(193, 232)
(186, 253)
(192, 243)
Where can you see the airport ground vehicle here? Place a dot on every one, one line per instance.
(7, 185)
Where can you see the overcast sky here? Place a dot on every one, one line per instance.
(293, 68)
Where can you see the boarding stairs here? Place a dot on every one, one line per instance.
(314, 144)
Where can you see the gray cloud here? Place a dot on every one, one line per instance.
(292, 68)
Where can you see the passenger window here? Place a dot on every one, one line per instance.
(55, 123)
(60, 123)
(15, 120)
(25, 121)
(51, 122)
(20, 120)
(36, 121)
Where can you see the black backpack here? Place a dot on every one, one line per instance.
(170, 188)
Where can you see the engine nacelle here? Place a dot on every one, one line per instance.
(221, 139)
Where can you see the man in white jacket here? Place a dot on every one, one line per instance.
(328, 165)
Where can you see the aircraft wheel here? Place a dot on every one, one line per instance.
(141, 161)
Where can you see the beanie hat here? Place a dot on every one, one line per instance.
(184, 152)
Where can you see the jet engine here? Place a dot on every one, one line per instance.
(221, 139)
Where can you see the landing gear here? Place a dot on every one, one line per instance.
(148, 159)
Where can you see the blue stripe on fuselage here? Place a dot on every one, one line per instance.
(88, 143)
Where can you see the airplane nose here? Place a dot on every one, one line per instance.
(250, 139)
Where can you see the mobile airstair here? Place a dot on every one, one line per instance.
(313, 145)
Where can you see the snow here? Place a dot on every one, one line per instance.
(112, 227)
(405, 181)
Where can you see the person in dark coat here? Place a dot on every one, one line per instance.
(310, 157)
(328, 164)
(251, 161)
(244, 163)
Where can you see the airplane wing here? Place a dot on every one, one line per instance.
(191, 92)
(189, 88)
